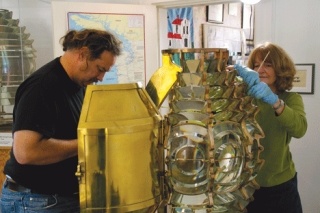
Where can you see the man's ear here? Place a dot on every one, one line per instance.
(83, 53)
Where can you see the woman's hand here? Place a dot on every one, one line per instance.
(248, 75)
(256, 89)
(262, 91)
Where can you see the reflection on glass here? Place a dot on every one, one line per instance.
(17, 62)
(212, 147)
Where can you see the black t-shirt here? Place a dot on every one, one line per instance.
(50, 103)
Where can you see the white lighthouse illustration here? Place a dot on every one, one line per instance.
(180, 36)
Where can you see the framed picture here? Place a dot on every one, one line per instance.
(304, 79)
(215, 13)
(248, 21)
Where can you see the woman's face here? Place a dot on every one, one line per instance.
(266, 72)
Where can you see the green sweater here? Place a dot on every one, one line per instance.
(279, 166)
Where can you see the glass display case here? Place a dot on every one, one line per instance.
(17, 62)
(25, 44)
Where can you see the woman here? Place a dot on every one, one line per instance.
(269, 76)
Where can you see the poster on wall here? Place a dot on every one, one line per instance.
(129, 28)
(180, 28)
(180, 31)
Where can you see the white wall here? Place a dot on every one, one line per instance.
(295, 26)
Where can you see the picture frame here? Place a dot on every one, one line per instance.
(215, 13)
(303, 82)
(248, 21)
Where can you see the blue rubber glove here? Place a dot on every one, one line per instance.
(262, 91)
(248, 75)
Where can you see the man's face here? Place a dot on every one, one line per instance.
(93, 71)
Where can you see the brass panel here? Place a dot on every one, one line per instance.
(118, 157)
(162, 80)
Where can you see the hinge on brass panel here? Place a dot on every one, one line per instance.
(79, 173)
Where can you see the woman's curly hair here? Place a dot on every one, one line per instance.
(281, 62)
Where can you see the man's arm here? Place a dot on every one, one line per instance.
(29, 147)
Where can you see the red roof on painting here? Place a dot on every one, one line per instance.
(174, 35)
(177, 21)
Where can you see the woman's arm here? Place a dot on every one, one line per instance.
(293, 117)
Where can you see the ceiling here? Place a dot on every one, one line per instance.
(187, 3)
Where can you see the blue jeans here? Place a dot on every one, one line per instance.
(27, 202)
(283, 198)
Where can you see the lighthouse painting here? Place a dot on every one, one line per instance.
(180, 28)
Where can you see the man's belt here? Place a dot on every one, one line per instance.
(14, 186)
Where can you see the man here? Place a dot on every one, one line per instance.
(42, 165)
